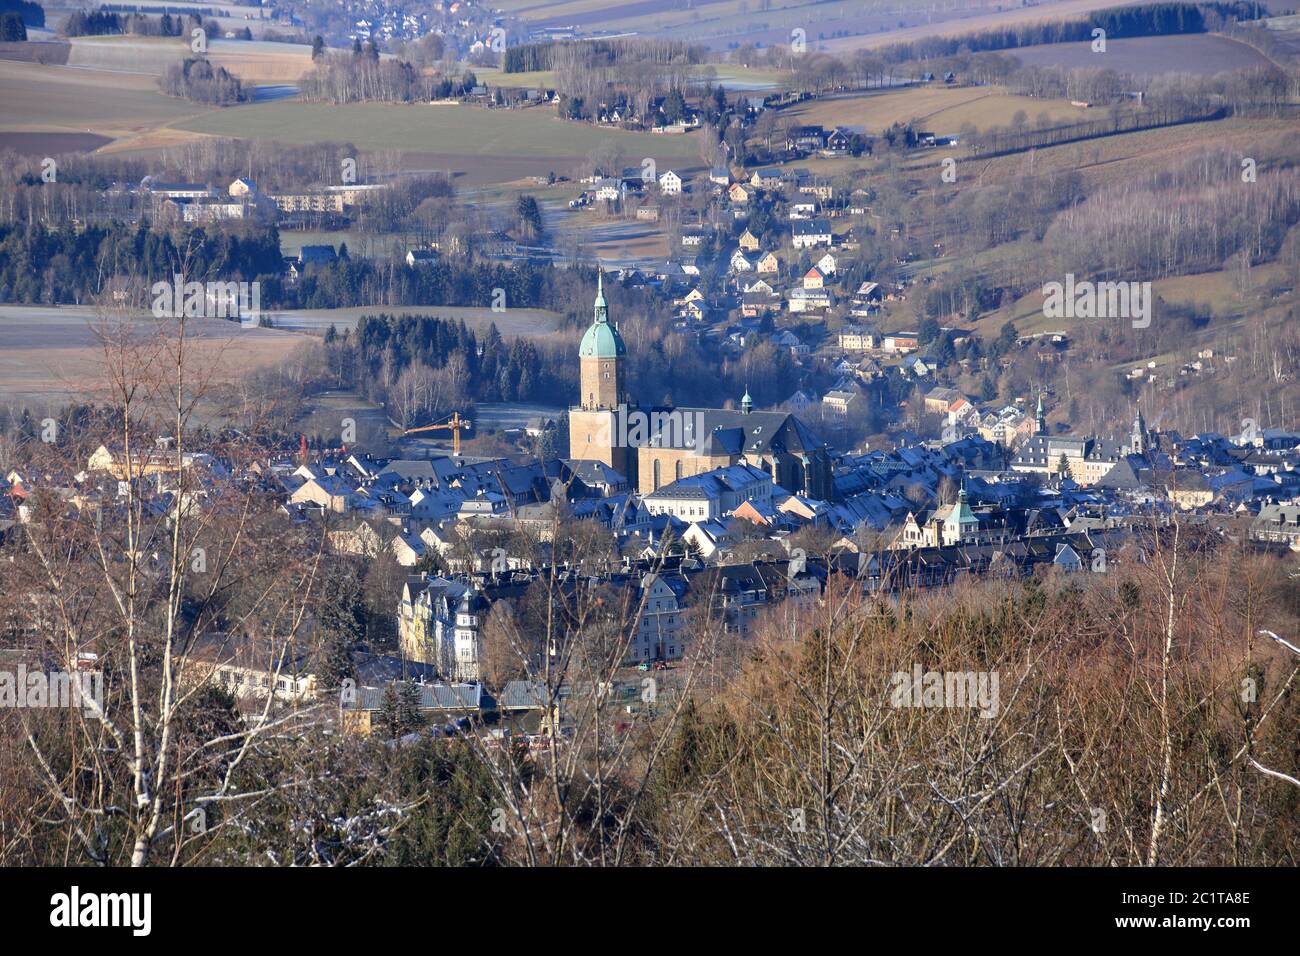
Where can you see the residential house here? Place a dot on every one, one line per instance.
(1278, 523)
(809, 300)
(900, 342)
(841, 402)
(811, 233)
(670, 184)
(853, 338)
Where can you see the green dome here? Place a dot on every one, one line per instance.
(602, 341)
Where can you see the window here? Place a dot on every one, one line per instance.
(656, 474)
(679, 469)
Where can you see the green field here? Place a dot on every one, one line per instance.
(451, 130)
(487, 145)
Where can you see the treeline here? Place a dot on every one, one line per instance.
(33, 14)
(350, 283)
(1018, 138)
(420, 207)
(90, 23)
(198, 80)
(363, 78)
(74, 265)
(531, 57)
(1153, 19)
(1193, 218)
(12, 28)
(489, 370)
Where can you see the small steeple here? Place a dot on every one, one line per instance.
(746, 403)
(602, 307)
(1040, 417)
(1138, 437)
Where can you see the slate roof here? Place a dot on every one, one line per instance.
(733, 432)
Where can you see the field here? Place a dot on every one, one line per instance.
(493, 76)
(1217, 290)
(974, 21)
(41, 98)
(1194, 53)
(254, 62)
(51, 144)
(834, 24)
(292, 241)
(940, 108)
(1113, 158)
(50, 354)
(483, 145)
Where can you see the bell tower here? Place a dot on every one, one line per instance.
(601, 358)
(594, 432)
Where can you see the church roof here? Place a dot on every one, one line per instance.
(601, 339)
(727, 431)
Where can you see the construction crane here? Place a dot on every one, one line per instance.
(455, 425)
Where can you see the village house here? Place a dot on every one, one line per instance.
(852, 338)
(841, 402)
(809, 300)
(811, 233)
(900, 342)
(670, 184)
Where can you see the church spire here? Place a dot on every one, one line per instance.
(602, 307)
(746, 403)
(1040, 417)
(1138, 436)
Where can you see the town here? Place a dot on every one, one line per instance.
(720, 524)
(649, 435)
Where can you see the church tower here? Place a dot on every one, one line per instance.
(1040, 417)
(601, 357)
(593, 424)
(1137, 441)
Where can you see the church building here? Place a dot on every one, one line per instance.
(654, 447)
